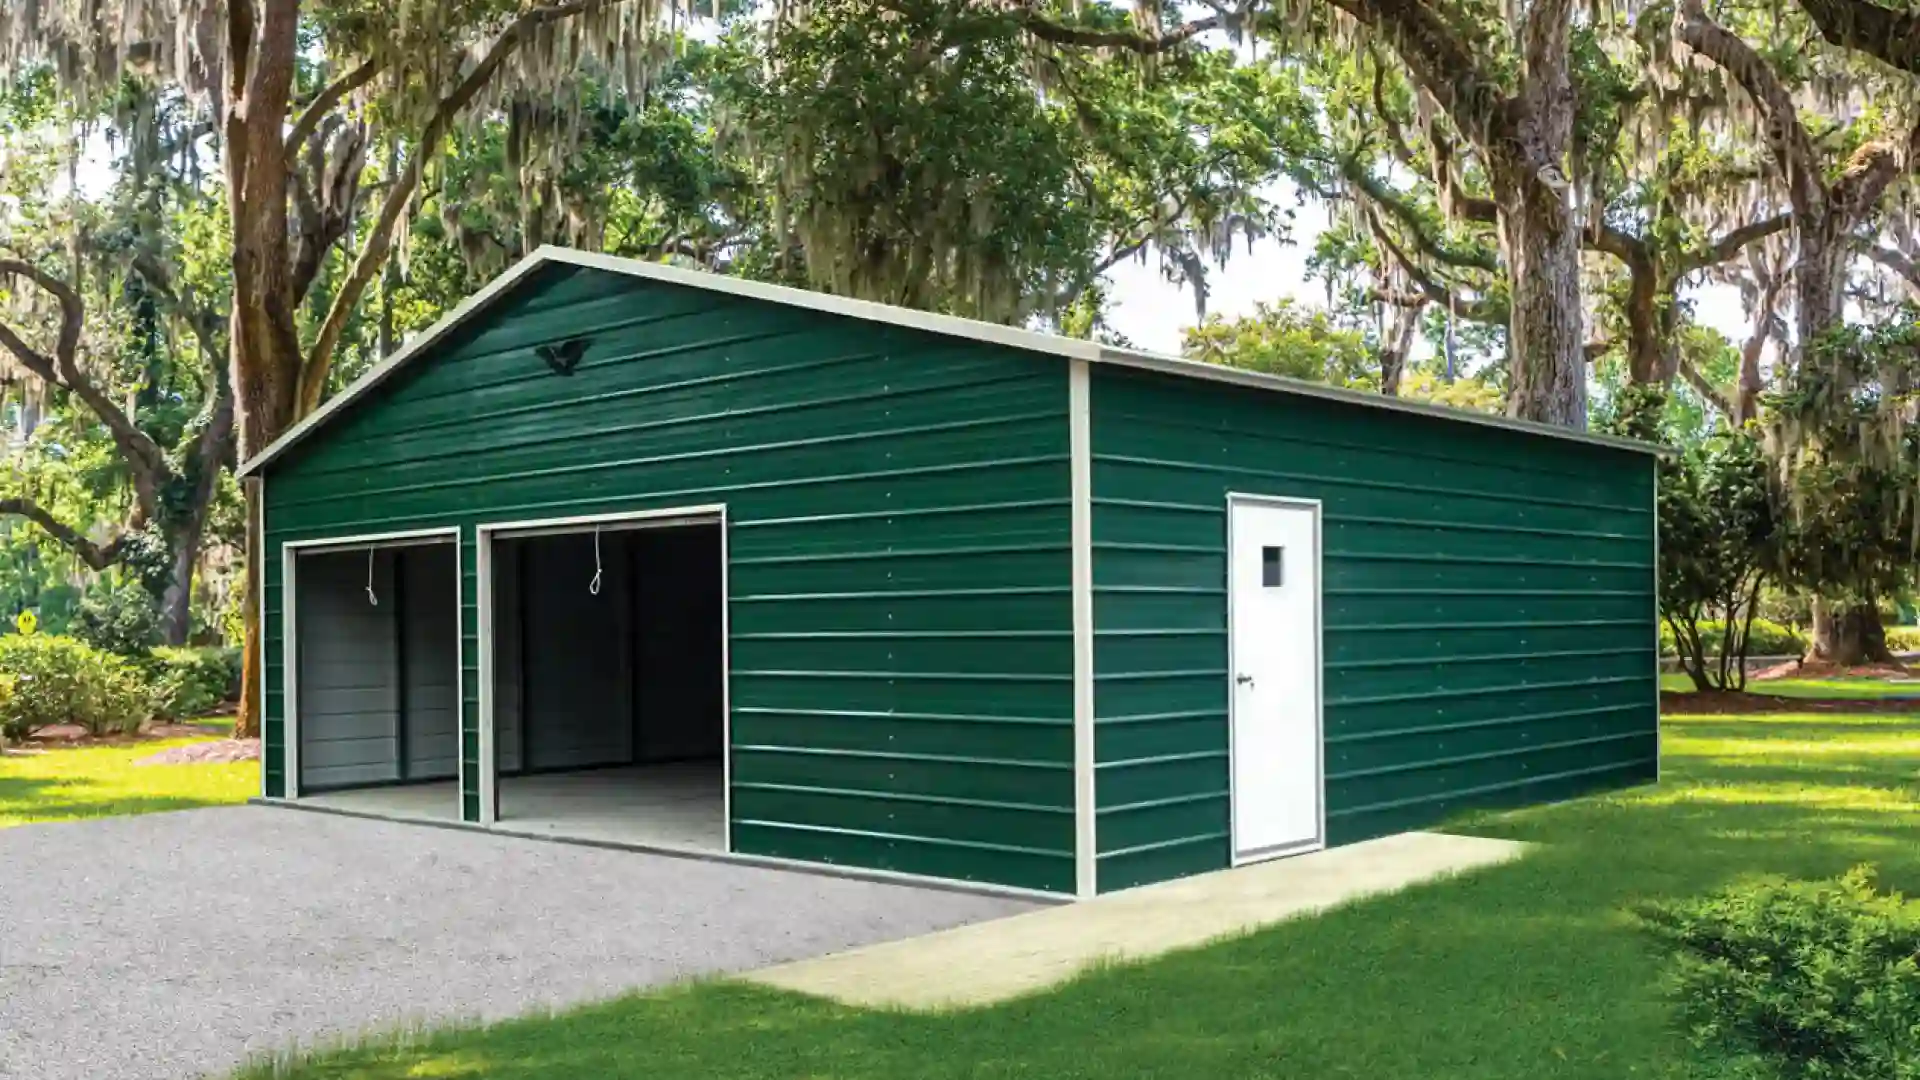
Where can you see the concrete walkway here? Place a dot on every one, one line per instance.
(993, 961)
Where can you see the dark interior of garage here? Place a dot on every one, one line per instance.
(608, 682)
(626, 672)
(378, 666)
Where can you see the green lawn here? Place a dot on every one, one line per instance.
(1810, 688)
(102, 781)
(1531, 971)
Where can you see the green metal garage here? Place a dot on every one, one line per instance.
(625, 553)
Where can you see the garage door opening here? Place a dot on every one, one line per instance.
(376, 675)
(608, 682)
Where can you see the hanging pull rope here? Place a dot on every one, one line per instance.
(371, 598)
(593, 587)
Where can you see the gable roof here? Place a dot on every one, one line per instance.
(948, 325)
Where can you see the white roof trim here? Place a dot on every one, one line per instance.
(951, 326)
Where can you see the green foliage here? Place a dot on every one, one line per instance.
(120, 619)
(1783, 980)
(1717, 526)
(1764, 637)
(1849, 462)
(61, 680)
(1288, 339)
(1903, 639)
(192, 682)
(913, 162)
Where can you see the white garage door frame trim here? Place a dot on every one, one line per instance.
(662, 518)
(290, 553)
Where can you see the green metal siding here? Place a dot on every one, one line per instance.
(898, 502)
(1488, 613)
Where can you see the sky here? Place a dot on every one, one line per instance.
(1152, 313)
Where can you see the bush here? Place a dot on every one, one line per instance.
(60, 680)
(190, 683)
(1767, 638)
(1799, 980)
(1903, 638)
(123, 620)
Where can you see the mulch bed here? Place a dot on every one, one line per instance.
(71, 737)
(206, 753)
(1795, 669)
(1719, 702)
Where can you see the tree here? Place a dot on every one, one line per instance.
(1290, 340)
(1717, 525)
(1826, 214)
(101, 319)
(1841, 428)
(1303, 343)
(294, 89)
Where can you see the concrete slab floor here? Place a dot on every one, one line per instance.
(678, 806)
(994, 961)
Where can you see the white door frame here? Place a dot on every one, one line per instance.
(290, 553)
(663, 518)
(1235, 498)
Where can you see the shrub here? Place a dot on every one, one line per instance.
(189, 683)
(1766, 638)
(1716, 522)
(1903, 638)
(1799, 980)
(60, 680)
(122, 620)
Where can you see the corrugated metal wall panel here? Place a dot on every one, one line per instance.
(349, 672)
(1488, 613)
(898, 508)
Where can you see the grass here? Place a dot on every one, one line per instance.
(103, 781)
(1809, 688)
(1532, 971)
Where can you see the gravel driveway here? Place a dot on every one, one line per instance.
(174, 945)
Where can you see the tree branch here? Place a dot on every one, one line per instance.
(1867, 175)
(1620, 244)
(1780, 127)
(319, 361)
(214, 442)
(1477, 310)
(1895, 261)
(1396, 138)
(143, 456)
(1734, 242)
(1690, 372)
(1406, 213)
(1087, 37)
(96, 556)
(1438, 60)
(1887, 35)
(327, 100)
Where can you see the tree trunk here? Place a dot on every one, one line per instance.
(1546, 347)
(1849, 638)
(1653, 332)
(246, 724)
(176, 603)
(1395, 345)
(1820, 279)
(263, 43)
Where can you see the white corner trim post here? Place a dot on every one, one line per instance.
(1085, 808)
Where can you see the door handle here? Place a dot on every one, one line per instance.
(1243, 680)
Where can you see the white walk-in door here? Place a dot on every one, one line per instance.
(1274, 638)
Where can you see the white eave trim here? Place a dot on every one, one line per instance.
(951, 326)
